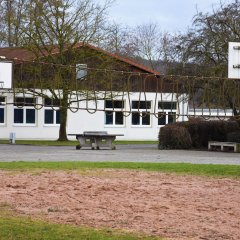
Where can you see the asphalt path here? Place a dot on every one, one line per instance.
(123, 153)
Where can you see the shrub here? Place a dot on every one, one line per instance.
(200, 133)
(236, 119)
(233, 137)
(174, 137)
(203, 131)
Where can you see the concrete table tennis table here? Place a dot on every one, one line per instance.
(96, 139)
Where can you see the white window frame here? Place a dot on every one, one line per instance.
(3, 106)
(167, 112)
(55, 109)
(141, 112)
(114, 111)
(24, 108)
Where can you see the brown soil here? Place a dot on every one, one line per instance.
(176, 207)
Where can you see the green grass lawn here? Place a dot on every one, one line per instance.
(42, 142)
(68, 143)
(23, 228)
(180, 168)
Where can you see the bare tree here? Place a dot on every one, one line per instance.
(52, 26)
(12, 14)
(205, 45)
(146, 39)
(155, 48)
(115, 39)
(207, 41)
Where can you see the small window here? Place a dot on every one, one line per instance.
(161, 118)
(109, 117)
(2, 109)
(114, 104)
(48, 117)
(18, 115)
(19, 101)
(141, 105)
(51, 102)
(30, 116)
(166, 118)
(51, 116)
(118, 118)
(81, 71)
(114, 117)
(2, 115)
(135, 118)
(24, 111)
(171, 117)
(57, 117)
(167, 105)
(145, 118)
(141, 117)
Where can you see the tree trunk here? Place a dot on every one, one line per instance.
(63, 118)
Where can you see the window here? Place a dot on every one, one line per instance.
(51, 111)
(171, 117)
(113, 113)
(2, 110)
(161, 118)
(167, 105)
(24, 111)
(141, 113)
(167, 112)
(135, 118)
(141, 105)
(81, 71)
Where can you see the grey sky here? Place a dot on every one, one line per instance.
(170, 15)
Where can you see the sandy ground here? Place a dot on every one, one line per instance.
(176, 207)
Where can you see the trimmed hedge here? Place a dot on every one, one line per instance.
(200, 133)
(203, 131)
(233, 137)
(175, 137)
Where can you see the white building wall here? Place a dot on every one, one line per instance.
(26, 131)
(82, 121)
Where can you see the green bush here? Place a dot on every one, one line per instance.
(174, 137)
(233, 137)
(200, 132)
(237, 120)
(203, 131)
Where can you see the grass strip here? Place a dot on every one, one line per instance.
(42, 143)
(22, 228)
(180, 168)
(68, 143)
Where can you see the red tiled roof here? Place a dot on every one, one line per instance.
(24, 54)
(19, 53)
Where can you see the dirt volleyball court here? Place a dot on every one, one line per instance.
(155, 204)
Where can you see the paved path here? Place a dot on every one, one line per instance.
(123, 153)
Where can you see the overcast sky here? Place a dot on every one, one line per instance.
(170, 15)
